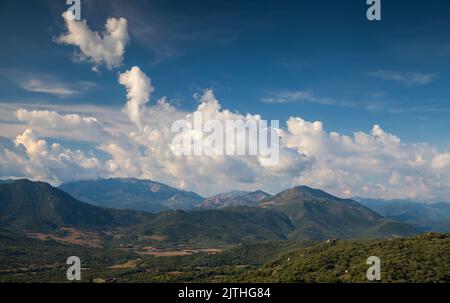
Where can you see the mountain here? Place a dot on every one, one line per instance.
(300, 213)
(27, 206)
(424, 216)
(37, 206)
(318, 215)
(6, 181)
(216, 227)
(129, 193)
(235, 198)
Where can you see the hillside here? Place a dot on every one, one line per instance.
(27, 206)
(281, 241)
(318, 215)
(37, 206)
(129, 193)
(217, 227)
(423, 258)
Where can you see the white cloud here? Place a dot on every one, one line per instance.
(372, 163)
(138, 87)
(289, 97)
(73, 126)
(113, 120)
(376, 164)
(301, 96)
(33, 146)
(32, 157)
(44, 83)
(98, 48)
(58, 89)
(441, 161)
(407, 78)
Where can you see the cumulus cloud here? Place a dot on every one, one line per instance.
(106, 48)
(33, 157)
(441, 161)
(407, 78)
(33, 146)
(373, 163)
(138, 87)
(73, 126)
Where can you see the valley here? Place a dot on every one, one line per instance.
(298, 235)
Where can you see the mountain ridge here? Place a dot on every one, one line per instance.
(26, 204)
(131, 193)
(299, 213)
(234, 198)
(318, 215)
(424, 216)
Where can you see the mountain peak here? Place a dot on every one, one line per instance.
(316, 193)
(29, 184)
(131, 193)
(317, 214)
(303, 192)
(21, 181)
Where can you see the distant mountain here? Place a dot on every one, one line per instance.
(235, 198)
(37, 206)
(299, 213)
(318, 215)
(424, 216)
(129, 193)
(6, 181)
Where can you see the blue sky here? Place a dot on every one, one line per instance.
(249, 52)
(319, 60)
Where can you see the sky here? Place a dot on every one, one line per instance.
(363, 106)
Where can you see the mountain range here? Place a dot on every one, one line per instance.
(423, 216)
(154, 197)
(299, 213)
(130, 193)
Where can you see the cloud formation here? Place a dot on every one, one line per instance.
(57, 89)
(73, 126)
(106, 48)
(29, 156)
(406, 78)
(371, 164)
(298, 96)
(138, 87)
(45, 83)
